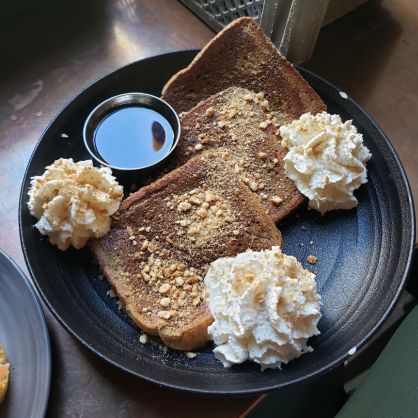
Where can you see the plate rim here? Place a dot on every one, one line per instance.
(41, 315)
(237, 392)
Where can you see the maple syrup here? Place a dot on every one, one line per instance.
(133, 137)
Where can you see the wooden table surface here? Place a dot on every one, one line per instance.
(47, 56)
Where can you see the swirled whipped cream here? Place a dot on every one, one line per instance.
(265, 307)
(73, 202)
(326, 160)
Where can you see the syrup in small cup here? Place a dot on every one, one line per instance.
(133, 134)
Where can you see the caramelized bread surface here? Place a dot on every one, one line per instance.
(241, 55)
(241, 122)
(164, 237)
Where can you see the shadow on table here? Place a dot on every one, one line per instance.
(356, 48)
(35, 33)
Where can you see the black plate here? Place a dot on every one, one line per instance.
(24, 336)
(363, 254)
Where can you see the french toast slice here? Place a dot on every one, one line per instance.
(240, 120)
(242, 55)
(164, 237)
(4, 374)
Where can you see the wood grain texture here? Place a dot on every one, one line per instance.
(50, 54)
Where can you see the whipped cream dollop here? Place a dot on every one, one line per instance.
(73, 202)
(326, 160)
(265, 307)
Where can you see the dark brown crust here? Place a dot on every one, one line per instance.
(148, 207)
(241, 55)
(244, 138)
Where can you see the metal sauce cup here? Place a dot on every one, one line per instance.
(130, 175)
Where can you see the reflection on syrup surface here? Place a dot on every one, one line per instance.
(133, 137)
(158, 135)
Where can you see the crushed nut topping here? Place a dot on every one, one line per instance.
(210, 111)
(264, 105)
(276, 200)
(165, 302)
(179, 281)
(184, 206)
(311, 259)
(202, 213)
(164, 288)
(253, 186)
(248, 98)
(164, 314)
(191, 355)
(195, 201)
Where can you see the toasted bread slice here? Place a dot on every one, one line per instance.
(4, 374)
(240, 121)
(165, 236)
(241, 55)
